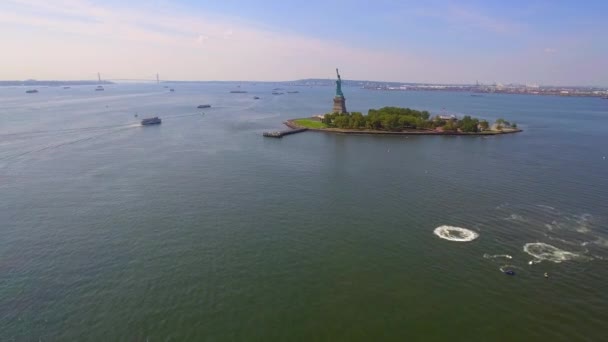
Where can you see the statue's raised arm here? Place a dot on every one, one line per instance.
(339, 85)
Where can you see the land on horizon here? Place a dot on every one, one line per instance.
(303, 81)
(529, 89)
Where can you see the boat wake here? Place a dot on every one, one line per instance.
(516, 218)
(545, 252)
(14, 157)
(30, 134)
(456, 234)
(507, 268)
(489, 256)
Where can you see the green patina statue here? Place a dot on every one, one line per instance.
(339, 85)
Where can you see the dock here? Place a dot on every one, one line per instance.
(280, 134)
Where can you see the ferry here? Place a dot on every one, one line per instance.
(31, 91)
(151, 121)
(203, 106)
(99, 88)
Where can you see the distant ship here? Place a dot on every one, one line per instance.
(204, 106)
(31, 91)
(66, 87)
(171, 89)
(293, 92)
(237, 91)
(276, 93)
(605, 97)
(151, 121)
(99, 88)
(256, 97)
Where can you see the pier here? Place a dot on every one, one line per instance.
(280, 134)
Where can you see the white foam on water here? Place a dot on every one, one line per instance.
(516, 217)
(601, 242)
(548, 207)
(489, 256)
(583, 222)
(542, 251)
(502, 205)
(457, 234)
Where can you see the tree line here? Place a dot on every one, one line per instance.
(399, 119)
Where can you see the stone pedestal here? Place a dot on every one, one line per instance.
(339, 105)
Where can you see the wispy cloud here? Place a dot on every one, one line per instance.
(74, 39)
(471, 18)
(228, 50)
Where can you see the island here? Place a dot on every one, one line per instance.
(396, 120)
(405, 121)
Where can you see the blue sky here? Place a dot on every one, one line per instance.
(541, 42)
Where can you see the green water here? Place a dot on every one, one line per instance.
(201, 229)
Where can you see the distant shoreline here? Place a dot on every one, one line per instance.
(293, 125)
(51, 83)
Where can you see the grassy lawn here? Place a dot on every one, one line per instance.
(310, 123)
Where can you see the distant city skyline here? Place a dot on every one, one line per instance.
(439, 42)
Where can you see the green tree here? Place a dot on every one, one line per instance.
(484, 125)
(449, 126)
(341, 121)
(468, 124)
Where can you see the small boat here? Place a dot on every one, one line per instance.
(66, 87)
(293, 92)
(272, 134)
(151, 121)
(605, 97)
(204, 106)
(276, 93)
(165, 86)
(99, 88)
(237, 91)
(171, 89)
(31, 91)
(256, 97)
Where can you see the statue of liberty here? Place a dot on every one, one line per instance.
(339, 85)
(339, 100)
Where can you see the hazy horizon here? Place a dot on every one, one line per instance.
(534, 42)
(153, 80)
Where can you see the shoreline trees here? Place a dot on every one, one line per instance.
(397, 119)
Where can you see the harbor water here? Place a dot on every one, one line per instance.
(202, 229)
